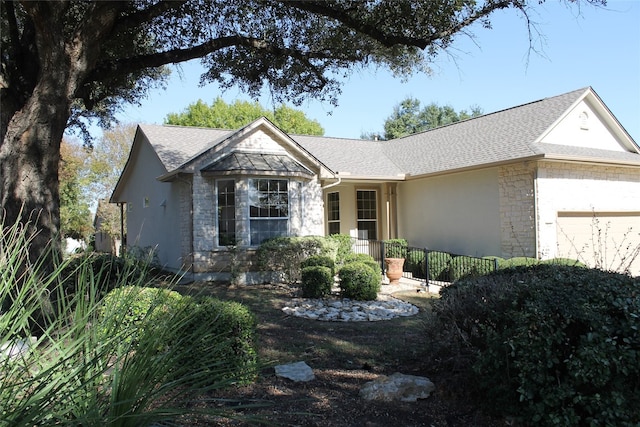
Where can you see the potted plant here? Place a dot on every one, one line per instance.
(395, 251)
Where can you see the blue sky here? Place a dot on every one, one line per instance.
(578, 47)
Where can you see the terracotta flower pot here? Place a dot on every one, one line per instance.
(394, 269)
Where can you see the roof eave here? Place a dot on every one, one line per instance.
(476, 167)
(349, 177)
(592, 160)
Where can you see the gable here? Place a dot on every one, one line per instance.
(585, 125)
(140, 171)
(256, 148)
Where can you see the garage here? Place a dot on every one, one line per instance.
(607, 240)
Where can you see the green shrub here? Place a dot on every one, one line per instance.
(416, 264)
(496, 259)
(105, 269)
(138, 310)
(464, 266)
(316, 260)
(548, 344)
(316, 281)
(345, 243)
(395, 248)
(364, 258)
(439, 264)
(224, 346)
(226, 349)
(564, 261)
(359, 281)
(284, 254)
(518, 262)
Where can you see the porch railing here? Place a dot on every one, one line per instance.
(426, 264)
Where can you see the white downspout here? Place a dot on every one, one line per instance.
(333, 184)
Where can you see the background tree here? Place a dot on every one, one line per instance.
(64, 61)
(75, 215)
(408, 118)
(233, 116)
(106, 159)
(103, 167)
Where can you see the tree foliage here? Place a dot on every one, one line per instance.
(106, 160)
(63, 62)
(408, 118)
(240, 113)
(75, 216)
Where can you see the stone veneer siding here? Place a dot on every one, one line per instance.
(517, 210)
(186, 232)
(306, 208)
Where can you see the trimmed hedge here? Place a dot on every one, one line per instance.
(462, 266)
(316, 281)
(322, 260)
(285, 254)
(140, 310)
(548, 344)
(345, 243)
(359, 281)
(364, 258)
(227, 345)
(415, 263)
(219, 335)
(439, 263)
(395, 248)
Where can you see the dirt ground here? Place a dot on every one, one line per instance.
(343, 356)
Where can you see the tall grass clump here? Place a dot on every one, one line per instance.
(70, 371)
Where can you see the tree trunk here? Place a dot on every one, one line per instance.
(30, 146)
(29, 159)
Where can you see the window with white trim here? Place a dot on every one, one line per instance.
(367, 211)
(333, 212)
(268, 209)
(226, 212)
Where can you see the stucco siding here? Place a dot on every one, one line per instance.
(152, 214)
(348, 212)
(583, 127)
(566, 187)
(457, 213)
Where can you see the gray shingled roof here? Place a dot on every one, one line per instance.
(175, 145)
(498, 137)
(356, 157)
(257, 162)
(503, 136)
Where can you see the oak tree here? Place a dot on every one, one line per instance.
(65, 61)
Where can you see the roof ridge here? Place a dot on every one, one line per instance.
(165, 125)
(581, 90)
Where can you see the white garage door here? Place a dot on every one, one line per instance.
(607, 240)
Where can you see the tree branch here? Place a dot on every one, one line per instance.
(143, 16)
(330, 11)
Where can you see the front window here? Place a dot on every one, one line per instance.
(366, 202)
(268, 209)
(226, 213)
(333, 212)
